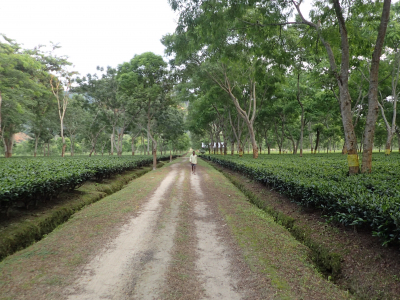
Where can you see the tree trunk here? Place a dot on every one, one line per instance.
(398, 139)
(373, 108)
(112, 142)
(133, 146)
(246, 116)
(154, 143)
(72, 145)
(91, 151)
(148, 144)
(391, 129)
(317, 140)
(344, 150)
(279, 140)
(342, 78)
(218, 143)
(170, 156)
(48, 149)
(211, 148)
(119, 142)
(388, 142)
(311, 137)
(8, 145)
(293, 144)
(232, 147)
(64, 145)
(302, 115)
(102, 149)
(155, 157)
(36, 143)
(347, 121)
(225, 143)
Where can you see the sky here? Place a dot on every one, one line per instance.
(90, 32)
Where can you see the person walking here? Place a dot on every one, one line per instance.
(193, 161)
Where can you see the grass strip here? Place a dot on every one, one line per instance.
(182, 278)
(23, 234)
(327, 262)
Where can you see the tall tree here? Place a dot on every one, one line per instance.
(145, 79)
(19, 84)
(61, 80)
(389, 103)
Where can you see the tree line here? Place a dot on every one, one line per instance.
(42, 96)
(262, 72)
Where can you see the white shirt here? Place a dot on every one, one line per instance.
(193, 159)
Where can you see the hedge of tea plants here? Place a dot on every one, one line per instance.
(42, 179)
(322, 181)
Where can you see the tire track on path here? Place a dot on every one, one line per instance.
(175, 248)
(182, 281)
(213, 263)
(113, 273)
(151, 279)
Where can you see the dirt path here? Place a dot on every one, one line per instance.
(109, 274)
(214, 263)
(134, 264)
(167, 235)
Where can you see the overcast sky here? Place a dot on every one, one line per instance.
(91, 32)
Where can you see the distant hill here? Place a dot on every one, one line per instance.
(20, 137)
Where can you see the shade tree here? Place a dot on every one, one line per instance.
(19, 84)
(145, 79)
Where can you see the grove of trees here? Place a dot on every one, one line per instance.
(264, 73)
(42, 96)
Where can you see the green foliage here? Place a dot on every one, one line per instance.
(321, 181)
(143, 78)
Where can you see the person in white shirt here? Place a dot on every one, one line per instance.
(193, 161)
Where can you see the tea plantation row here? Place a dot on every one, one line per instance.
(321, 181)
(41, 179)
